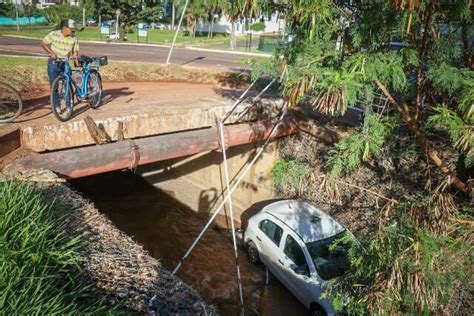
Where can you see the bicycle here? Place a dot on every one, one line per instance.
(10, 103)
(66, 86)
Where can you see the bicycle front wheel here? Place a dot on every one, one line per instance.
(94, 86)
(10, 103)
(62, 98)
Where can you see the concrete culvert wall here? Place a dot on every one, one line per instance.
(119, 267)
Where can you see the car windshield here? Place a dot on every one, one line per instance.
(330, 255)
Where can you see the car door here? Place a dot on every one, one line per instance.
(293, 262)
(269, 237)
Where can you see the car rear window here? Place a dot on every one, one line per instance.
(272, 230)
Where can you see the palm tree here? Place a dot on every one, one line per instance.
(195, 13)
(215, 7)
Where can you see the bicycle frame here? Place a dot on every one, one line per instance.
(82, 90)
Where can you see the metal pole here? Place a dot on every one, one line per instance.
(231, 210)
(239, 100)
(176, 33)
(231, 190)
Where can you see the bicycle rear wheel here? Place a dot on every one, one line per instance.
(94, 86)
(62, 98)
(10, 103)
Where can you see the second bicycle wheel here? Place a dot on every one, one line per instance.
(62, 98)
(10, 103)
(94, 86)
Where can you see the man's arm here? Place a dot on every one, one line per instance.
(48, 50)
(45, 42)
(75, 49)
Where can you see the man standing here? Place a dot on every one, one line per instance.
(59, 45)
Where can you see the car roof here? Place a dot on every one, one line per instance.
(307, 221)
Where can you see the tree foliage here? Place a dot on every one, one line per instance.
(417, 55)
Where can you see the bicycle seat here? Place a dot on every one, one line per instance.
(85, 59)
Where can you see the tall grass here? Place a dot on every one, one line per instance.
(40, 270)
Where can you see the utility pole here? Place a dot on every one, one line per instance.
(83, 14)
(232, 31)
(117, 23)
(173, 13)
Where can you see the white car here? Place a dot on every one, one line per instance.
(292, 238)
(115, 36)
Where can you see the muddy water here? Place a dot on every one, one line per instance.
(166, 228)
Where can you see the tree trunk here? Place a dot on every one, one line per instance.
(423, 49)
(412, 124)
(100, 20)
(17, 22)
(29, 18)
(211, 30)
(467, 58)
(233, 43)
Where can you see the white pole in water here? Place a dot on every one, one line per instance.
(231, 190)
(229, 199)
(177, 31)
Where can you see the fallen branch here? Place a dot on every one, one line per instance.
(366, 190)
(460, 221)
(403, 109)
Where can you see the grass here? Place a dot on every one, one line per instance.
(154, 36)
(40, 265)
(26, 72)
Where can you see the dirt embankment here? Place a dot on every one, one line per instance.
(120, 268)
(25, 73)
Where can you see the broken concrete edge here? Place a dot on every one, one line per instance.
(91, 160)
(75, 133)
(127, 274)
(10, 140)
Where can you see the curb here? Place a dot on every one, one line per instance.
(228, 52)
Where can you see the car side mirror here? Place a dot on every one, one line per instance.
(302, 270)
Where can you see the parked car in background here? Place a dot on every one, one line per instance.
(158, 26)
(114, 36)
(302, 247)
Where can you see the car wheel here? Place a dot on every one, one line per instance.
(252, 252)
(317, 310)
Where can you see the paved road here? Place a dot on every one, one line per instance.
(134, 53)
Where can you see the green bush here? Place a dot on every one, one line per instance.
(54, 14)
(288, 174)
(257, 27)
(414, 264)
(39, 263)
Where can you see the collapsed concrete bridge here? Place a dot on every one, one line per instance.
(174, 147)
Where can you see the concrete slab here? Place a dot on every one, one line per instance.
(144, 108)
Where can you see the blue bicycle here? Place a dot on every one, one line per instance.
(85, 83)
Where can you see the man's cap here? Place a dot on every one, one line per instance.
(71, 24)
